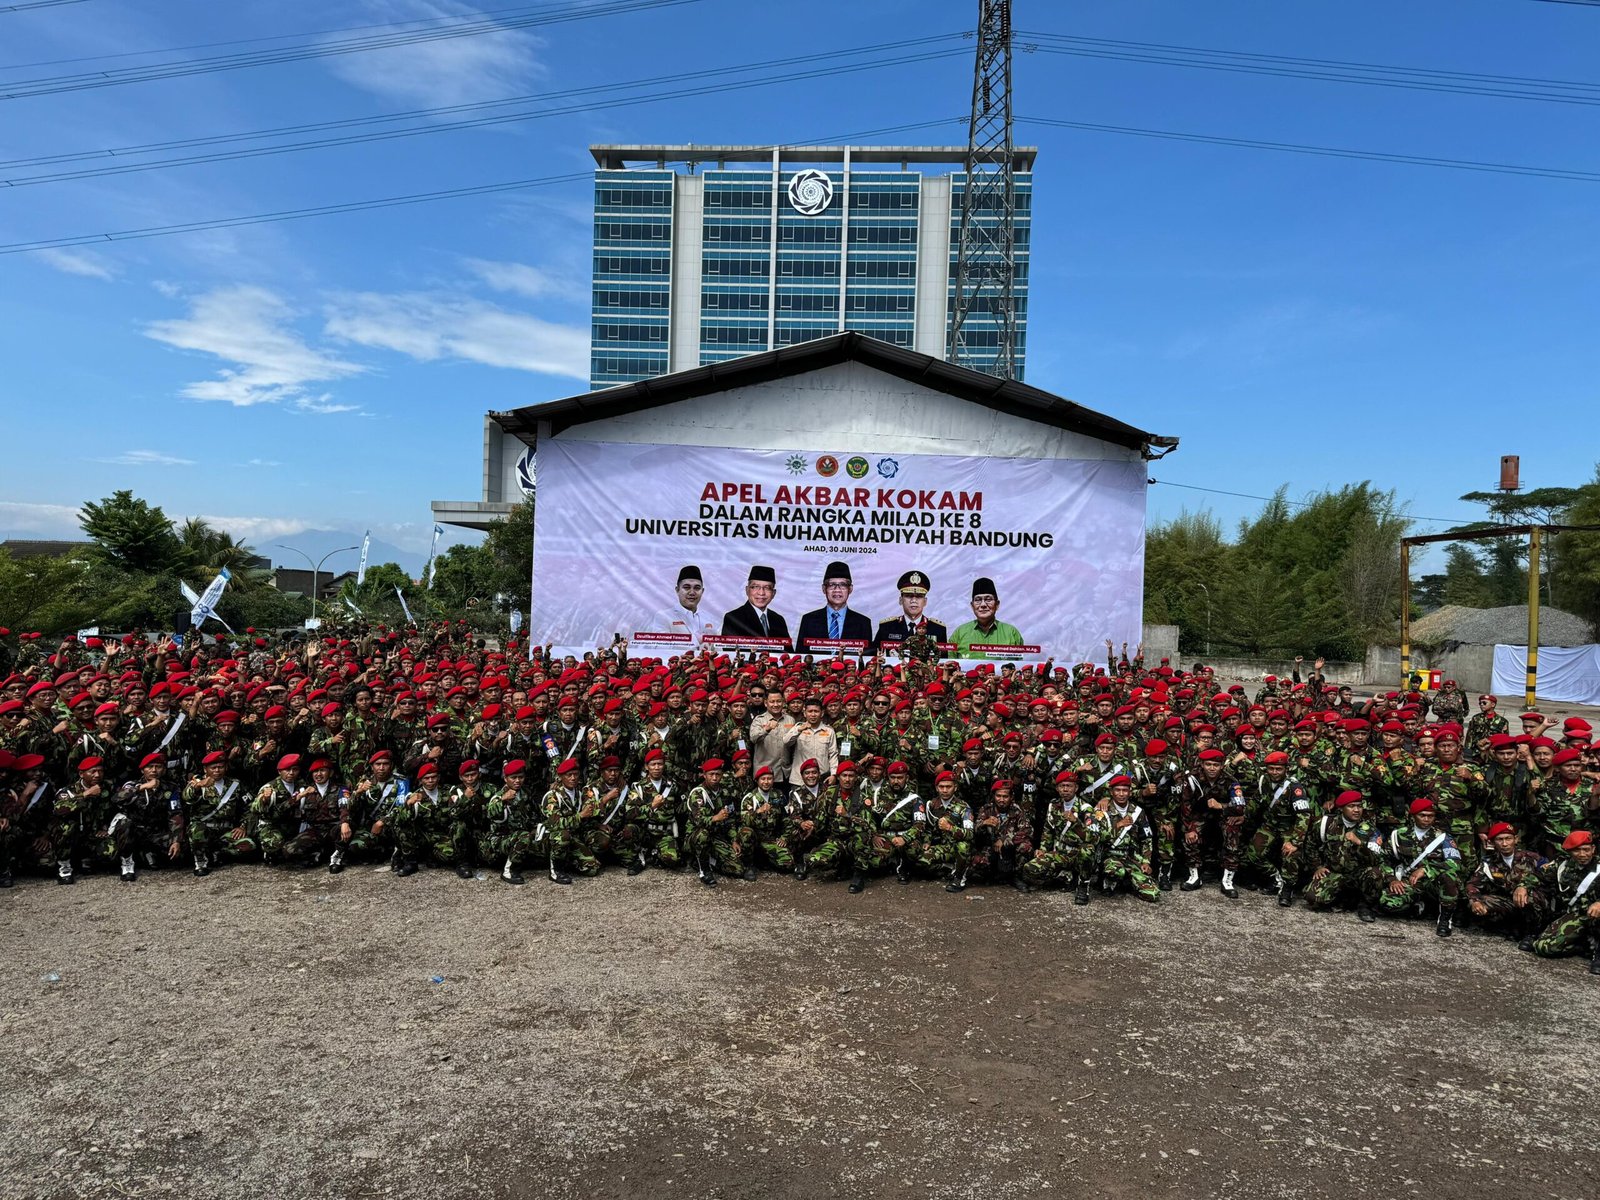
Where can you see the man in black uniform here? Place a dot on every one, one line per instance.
(912, 623)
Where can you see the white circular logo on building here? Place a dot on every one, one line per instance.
(527, 476)
(810, 192)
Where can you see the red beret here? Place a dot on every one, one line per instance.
(1572, 754)
(1155, 747)
(1064, 776)
(942, 776)
(468, 764)
(1211, 755)
(1422, 804)
(427, 769)
(380, 756)
(810, 764)
(88, 764)
(515, 767)
(1497, 829)
(1121, 781)
(1348, 798)
(1276, 756)
(1105, 739)
(898, 768)
(567, 766)
(288, 761)
(1578, 837)
(654, 753)
(610, 761)
(1501, 740)
(155, 756)
(712, 764)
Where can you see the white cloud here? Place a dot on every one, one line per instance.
(146, 458)
(460, 70)
(431, 326)
(256, 530)
(250, 327)
(261, 462)
(20, 518)
(523, 279)
(323, 404)
(76, 262)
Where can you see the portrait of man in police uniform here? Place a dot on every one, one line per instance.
(913, 618)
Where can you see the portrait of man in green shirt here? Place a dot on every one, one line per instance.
(985, 629)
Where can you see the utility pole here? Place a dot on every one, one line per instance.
(986, 255)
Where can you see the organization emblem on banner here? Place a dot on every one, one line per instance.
(827, 466)
(888, 468)
(796, 463)
(856, 468)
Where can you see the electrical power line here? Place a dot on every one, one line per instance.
(1292, 503)
(296, 214)
(1558, 91)
(608, 94)
(1455, 164)
(476, 15)
(50, 85)
(16, 8)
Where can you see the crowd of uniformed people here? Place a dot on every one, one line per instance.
(430, 748)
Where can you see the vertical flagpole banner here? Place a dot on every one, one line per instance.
(361, 569)
(677, 548)
(433, 551)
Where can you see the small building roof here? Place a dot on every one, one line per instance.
(1003, 395)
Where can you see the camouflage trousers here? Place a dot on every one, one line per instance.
(941, 856)
(561, 848)
(1059, 866)
(1519, 922)
(1231, 825)
(752, 847)
(1002, 861)
(1567, 934)
(1132, 870)
(270, 838)
(1265, 853)
(798, 845)
(706, 848)
(1442, 887)
(315, 840)
(210, 841)
(860, 852)
(659, 845)
(1337, 886)
(1165, 828)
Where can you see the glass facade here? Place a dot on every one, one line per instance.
(691, 270)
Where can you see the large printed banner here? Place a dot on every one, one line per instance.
(679, 547)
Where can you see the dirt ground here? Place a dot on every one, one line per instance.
(266, 1033)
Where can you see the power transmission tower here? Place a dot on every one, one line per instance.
(986, 258)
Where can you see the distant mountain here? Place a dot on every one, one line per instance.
(317, 542)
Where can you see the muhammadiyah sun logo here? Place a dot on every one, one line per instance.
(857, 467)
(827, 466)
(796, 464)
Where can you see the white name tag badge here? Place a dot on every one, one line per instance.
(933, 741)
(844, 748)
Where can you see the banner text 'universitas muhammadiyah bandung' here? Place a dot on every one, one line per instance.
(657, 544)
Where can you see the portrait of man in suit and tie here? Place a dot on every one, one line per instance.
(835, 620)
(754, 618)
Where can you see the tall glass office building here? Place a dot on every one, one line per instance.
(706, 253)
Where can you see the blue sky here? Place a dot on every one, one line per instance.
(1296, 319)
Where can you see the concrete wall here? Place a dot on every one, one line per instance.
(1472, 667)
(1160, 641)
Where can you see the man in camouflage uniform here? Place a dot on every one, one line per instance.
(853, 839)
(710, 823)
(652, 809)
(324, 820)
(1507, 888)
(1419, 862)
(27, 825)
(604, 799)
(1207, 799)
(216, 810)
(1279, 811)
(1068, 851)
(512, 824)
(805, 817)
(1573, 884)
(417, 822)
(1156, 778)
(760, 828)
(900, 824)
(1125, 844)
(1563, 802)
(462, 836)
(1483, 725)
(1458, 790)
(379, 799)
(1004, 841)
(564, 816)
(946, 841)
(1344, 849)
(147, 818)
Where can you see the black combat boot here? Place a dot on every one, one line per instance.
(1365, 914)
(858, 881)
(1021, 884)
(407, 866)
(462, 870)
(901, 872)
(510, 874)
(1191, 883)
(800, 869)
(5, 877)
(635, 864)
(958, 883)
(1164, 879)
(1594, 956)
(748, 874)
(1446, 915)
(1285, 895)
(1081, 896)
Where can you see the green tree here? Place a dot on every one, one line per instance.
(1575, 573)
(129, 534)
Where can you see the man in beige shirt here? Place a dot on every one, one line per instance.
(769, 733)
(813, 740)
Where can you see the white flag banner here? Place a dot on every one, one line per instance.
(361, 569)
(673, 548)
(352, 606)
(404, 607)
(516, 619)
(433, 551)
(189, 594)
(206, 606)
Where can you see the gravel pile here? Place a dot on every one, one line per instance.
(1499, 626)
